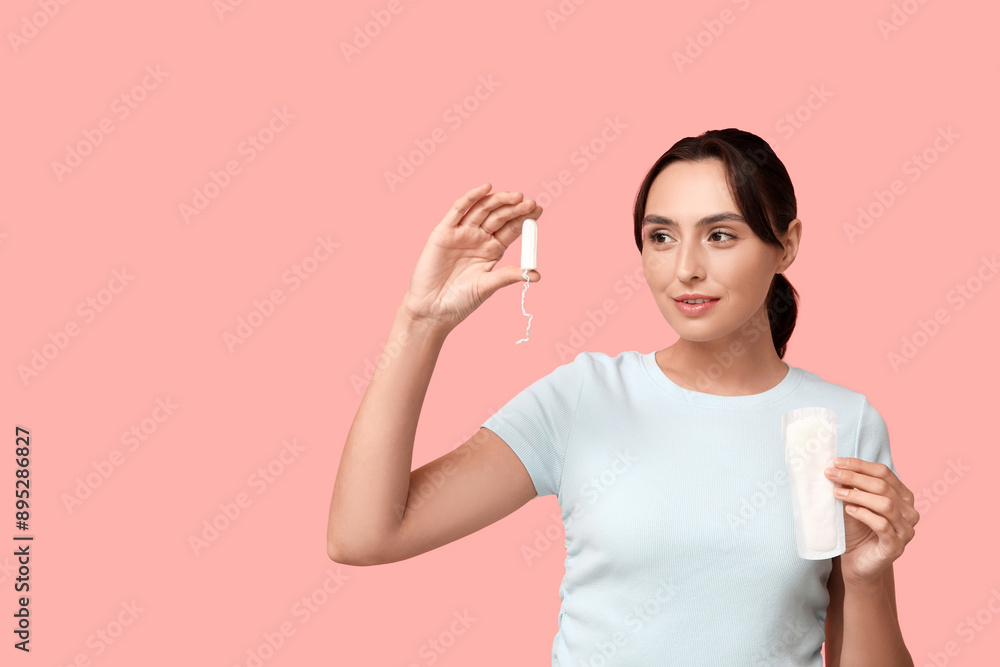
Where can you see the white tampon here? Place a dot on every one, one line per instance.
(529, 244)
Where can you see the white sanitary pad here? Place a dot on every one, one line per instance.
(809, 436)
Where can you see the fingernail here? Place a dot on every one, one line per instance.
(833, 472)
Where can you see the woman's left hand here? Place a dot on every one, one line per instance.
(881, 522)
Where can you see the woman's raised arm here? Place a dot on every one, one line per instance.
(374, 517)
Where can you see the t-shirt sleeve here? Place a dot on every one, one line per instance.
(537, 422)
(873, 437)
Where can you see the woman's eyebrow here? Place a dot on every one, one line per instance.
(727, 216)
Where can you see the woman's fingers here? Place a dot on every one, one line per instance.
(475, 206)
(512, 228)
(867, 475)
(876, 488)
(461, 205)
(501, 215)
(879, 504)
(492, 211)
(479, 211)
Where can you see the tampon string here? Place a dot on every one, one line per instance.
(523, 292)
(529, 261)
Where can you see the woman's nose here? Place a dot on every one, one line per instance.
(690, 262)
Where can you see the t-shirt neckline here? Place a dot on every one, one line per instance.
(787, 384)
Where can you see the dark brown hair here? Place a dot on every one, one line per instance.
(762, 190)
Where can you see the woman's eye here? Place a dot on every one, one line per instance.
(725, 237)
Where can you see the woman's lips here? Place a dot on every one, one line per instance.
(695, 308)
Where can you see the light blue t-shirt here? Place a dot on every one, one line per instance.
(680, 543)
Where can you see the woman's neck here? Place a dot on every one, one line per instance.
(728, 366)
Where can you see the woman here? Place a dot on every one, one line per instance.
(668, 465)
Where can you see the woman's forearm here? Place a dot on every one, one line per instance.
(871, 629)
(373, 478)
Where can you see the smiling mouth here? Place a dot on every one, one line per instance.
(696, 306)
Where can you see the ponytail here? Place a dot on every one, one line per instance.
(781, 312)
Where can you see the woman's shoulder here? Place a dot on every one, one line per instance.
(610, 371)
(814, 384)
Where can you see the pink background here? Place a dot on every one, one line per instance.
(321, 174)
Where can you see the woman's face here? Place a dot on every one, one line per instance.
(696, 242)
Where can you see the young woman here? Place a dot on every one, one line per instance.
(668, 465)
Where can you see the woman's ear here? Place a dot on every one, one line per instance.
(791, 245)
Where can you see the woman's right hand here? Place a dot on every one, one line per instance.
(454, 273)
